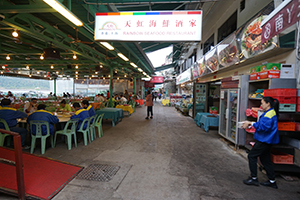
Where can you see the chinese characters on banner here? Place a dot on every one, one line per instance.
(157, 79)
(149, 26)
(286, 16)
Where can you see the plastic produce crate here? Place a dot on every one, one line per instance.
(286, 126)
(281, 92)
(286, 99)
(281, 158)
(287, 107)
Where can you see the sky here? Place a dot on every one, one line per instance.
(158, 57)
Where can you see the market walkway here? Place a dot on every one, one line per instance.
(168, 157)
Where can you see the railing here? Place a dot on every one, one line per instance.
(18, 163)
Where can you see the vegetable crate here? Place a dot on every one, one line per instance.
(286, 126)
(287, 107)
(281, 92)
(281, 158)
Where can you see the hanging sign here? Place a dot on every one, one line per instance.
(149, 26)
(184, 77)
(157, 79)
(284, 16)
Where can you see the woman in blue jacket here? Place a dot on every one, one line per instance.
(266, 134)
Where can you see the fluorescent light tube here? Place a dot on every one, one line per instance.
(140, 69)
(123, 57)
(64, 11)
(107, 45)
(134, 65)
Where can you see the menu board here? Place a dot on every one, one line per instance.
(227, 52)
(200, 93)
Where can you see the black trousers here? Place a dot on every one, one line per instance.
(149, 110)
(263, 151)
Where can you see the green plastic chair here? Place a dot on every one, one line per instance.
(3, 135)
(38, 130)
(92, 128)
(68, 132)
(133, 106)
(85, 131)
(98, 124)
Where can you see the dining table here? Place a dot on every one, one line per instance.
(165, 102)
(115, 114)
(126, 108)
(205, 120)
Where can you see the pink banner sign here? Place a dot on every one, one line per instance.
(284, 16)
(157, 79)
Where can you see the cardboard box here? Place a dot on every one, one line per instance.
(254, 73)
(270, 70)
(287, 71)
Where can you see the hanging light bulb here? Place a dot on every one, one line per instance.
(76, 66)
(57, 72)
(108, 76)
(96, 72)
(101, 66)
(118, 78)
(15, 33)
(52, 67)
(42, 57)
(7, 57)
(19, 72)
(45, 76)
(29, 75)
(38, 72)
(76, 72)
(116, 71)
(125, 75)
(103, 78)
(27, 66)
(90, 78)
(1, 72)
(74, 57)
(3, 67)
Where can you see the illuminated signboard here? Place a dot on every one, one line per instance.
(149, 26)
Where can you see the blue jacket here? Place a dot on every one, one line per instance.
(81, 114)
(45, 116)
(91, 110)
(266, 129)
(10, 115)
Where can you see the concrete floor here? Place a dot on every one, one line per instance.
(166, 158)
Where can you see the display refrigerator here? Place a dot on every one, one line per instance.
(233, 103)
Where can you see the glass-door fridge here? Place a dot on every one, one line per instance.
(233, 103)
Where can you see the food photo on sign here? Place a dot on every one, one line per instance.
(201, 66)
(211, 61)
(227, 51)
(249, 36)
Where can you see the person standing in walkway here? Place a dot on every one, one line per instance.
(266, 134)
(149, 104)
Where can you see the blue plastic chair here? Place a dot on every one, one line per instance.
(3, 135)
(68, 131)
(37, 126)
